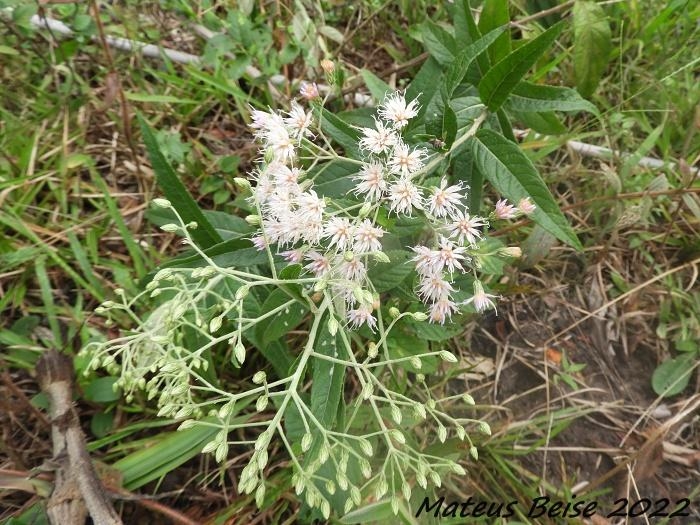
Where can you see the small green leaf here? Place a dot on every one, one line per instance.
(592, 45)
(456, 72)
(495, 13)
(545, 122)
(342, 132)
(282, 322)
(173, 188)
(101, 390)
(438, 42)
(377, 87)
(514, 176)
(501, 79)
(385, 276)
(328, 378)
(527, 97)
(672, 376)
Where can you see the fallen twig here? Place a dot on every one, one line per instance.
(77, 489)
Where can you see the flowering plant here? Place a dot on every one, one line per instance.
(361, 247)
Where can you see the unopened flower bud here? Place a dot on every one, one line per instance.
(372, 350)
(381, 257)
(309, 90)
(473, 452)
(394, 312)
(328, 66)
(419, 316)
(511, 251)
(332, 326)
(348, 256)
(364, 211)
(239, 352)
(170, 228)
(241, 183)
(253, 220)
(259, 377)
(484, 428)
(469, 400)
(162, 203)
(192, 225)
(448, 356)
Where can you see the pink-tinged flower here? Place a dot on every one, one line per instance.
(403, 161)
(308, 90)
(423, 260)
(433, 288)
(282, 144)
(444, 199)
(259, 242)
(441, 310)
(395, 110)
(504, 210)
(448, 256)
(319, 264)
(367, 237)
(293, 256)
(466, 227)
(361, 315)
(283, 175)
(310, 206)
(264, 188)
(379, 140)
(404, 196)
(482, 300)
(352, 270)
(526, 206)
(371, 181)
(340, 231)
(298, 121)
(312, 230)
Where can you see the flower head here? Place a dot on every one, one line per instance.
(504, 210)
(371, 181)
(404, 196)
(340, 231)
(526, 206)
(379, 140)
(361, 315)
(308, 90)
(395, 109)
(403, 161)
(444, 199)
(465, 227)
(298, 121)
(367, 237)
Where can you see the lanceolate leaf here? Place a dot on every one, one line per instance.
(529, 97)
(455, 73)
(501, 79)
(174, 190)
(494, 14)
(376, 85)
(328, 378)
(385, 276)
(592, 45)
(511, 172)
(342, 132)
(438, 42)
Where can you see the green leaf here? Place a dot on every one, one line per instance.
(514, 176)
(436, 332)
(101, 390)
(229, 254)
(438, 42)
(672, 376)
(174, 190)
(342, 132)
(495, 13)
(545, 122)
(380, 512)
(402, 344)
(166, 452)
(328, 378)
(277, 325)
(528, 97)
(334, 178)
(502, 78)
(377, 87)
(441, 120)
(464, 169)
(456, 72)
(423, 86)
(592, 45)
(385, 276)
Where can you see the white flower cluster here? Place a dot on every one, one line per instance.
(335, 245)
